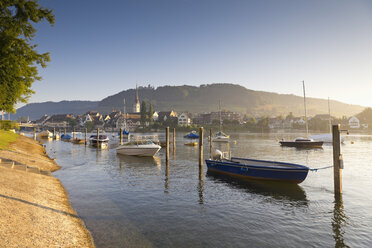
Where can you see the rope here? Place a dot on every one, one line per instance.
(322, 168)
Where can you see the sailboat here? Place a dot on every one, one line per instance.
(326, 137)
(301, 142)
(220, 136)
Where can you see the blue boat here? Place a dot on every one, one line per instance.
(191, 135)
(66, 137)
(259, 169)
(125, 132)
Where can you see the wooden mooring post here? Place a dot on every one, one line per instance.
(60, 133)
(174, 140)
(64, 132)
(73, 135)
(337, 161)
(167, 144)
(34, 133)
(201, 131)
(121, 136)
(86, 134)
(54, 132)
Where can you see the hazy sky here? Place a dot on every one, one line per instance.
(99, 48)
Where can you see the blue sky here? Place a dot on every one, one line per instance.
(99, 48)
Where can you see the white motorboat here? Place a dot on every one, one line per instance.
(45, 134)
(100, 142)
(144, 148)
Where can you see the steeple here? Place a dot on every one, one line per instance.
(137, 99)
(136, 104)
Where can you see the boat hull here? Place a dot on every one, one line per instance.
(78, 141)
(260, 170)
(135, 151)
(101, 144)
(302, 144)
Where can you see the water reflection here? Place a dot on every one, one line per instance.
(134, 161)
(283, 192)
(166, 181)
(201, 191)
(339, 221)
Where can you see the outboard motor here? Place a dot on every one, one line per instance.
(217, 155)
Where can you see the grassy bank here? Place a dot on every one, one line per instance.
(6, 137)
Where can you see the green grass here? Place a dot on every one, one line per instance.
(6, 137)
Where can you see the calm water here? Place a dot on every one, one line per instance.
(137, 202)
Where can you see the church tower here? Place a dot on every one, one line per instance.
(136, 104)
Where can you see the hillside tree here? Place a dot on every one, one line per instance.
(143, 112)
(19, 59)
(151, 112)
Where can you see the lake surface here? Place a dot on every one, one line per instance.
(138, 202)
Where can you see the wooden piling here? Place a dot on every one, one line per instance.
(34, 133)
(64, 132)
(167, 144)
(121, 136)
(174, 140)
(337, 172)
(60, 133)
(54, 132)
(210, 143)
(86, 134)
(97, 138)
(201, 131)
(73, 135)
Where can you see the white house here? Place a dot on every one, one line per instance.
(184, 119)
(155, 116)
(354, 122)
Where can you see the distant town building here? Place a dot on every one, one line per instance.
(354, 122)
(167, 115)
(184, 119)
(208, 118)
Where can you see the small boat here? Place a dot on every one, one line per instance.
(45, 134)
(66, 137)
(145, 148)
(191, 144)
(78, 141)
(302, 143)
(191, 135)
(77, 138)
(100, 142)
(221, 137)
(258, 169)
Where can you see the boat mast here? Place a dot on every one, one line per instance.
(329, 117)
(219, 109)
(125, 116)
(307, 127)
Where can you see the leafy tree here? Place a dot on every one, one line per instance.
(89, 125)
(143, 111)
(151, 112)
(19, 58)
(72, 122)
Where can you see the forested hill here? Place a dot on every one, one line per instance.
(233, 97)
(37, 110)
(196, 100)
